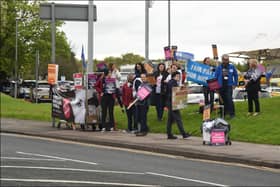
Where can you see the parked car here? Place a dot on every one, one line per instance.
(273, 90)
(26, 87)
(5, 87)
(196, 95)
(42, 93)
(240, 94)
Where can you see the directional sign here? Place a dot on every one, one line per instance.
(66, 12)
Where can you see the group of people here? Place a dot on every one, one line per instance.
(227, 76)
(165, 79)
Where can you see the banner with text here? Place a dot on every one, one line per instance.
(199, 73)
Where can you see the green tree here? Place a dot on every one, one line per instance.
(33, 34)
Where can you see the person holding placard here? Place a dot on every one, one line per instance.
(174, 115)
(108, 100)
(142, 106)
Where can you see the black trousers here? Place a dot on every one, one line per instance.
(208, 97)
(226, 95)
(141, 115)
(174, 115)
(107, 104)
(131, 118)
(253, 96)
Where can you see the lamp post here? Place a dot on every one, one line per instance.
(16, 59)
(147, 31)
(169, 39)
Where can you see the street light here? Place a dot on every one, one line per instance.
(169, 39)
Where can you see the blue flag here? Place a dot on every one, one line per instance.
(268, 75)
(83, 58)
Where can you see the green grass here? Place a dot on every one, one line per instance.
(264, 128)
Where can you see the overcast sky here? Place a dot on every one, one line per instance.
(195, 26)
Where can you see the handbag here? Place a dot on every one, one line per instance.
(213, 84)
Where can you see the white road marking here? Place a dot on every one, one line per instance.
(74, 182)
(56, 157)
(74, 169)
(37, 159)
(186, 179)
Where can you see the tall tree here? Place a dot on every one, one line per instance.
(33, 34)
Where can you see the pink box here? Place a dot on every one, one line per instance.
(217, 137)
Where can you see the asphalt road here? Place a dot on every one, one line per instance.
(30, 161)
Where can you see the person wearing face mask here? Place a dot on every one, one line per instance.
(227, 76)
(127, 98)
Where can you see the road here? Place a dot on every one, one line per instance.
(33, 161)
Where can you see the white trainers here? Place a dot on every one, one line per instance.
(103, 130)
(255, 114)
(112, 129)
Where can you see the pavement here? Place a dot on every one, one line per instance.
(238, 152)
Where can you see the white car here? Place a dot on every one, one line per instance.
(273, 90)
(42, 93)
(196, 95)
(25, 88)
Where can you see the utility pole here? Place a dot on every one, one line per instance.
(169, 24)
(146, 31)
(16, 61)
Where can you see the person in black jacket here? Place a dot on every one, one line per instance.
(160, 89)
(252, 85)
(174, 115)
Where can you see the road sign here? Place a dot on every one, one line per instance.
(66, 12)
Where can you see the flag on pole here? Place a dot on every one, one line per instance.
(83, 58)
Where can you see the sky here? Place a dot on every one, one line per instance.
(195, 26)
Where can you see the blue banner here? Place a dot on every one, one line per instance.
(198, 72)
(179, 55)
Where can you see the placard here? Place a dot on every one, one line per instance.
(78, 80)
(52, 74)
(179, 98)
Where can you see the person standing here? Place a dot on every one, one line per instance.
(127, 98)
(117, 76)
(159, 89)
(174, 115)
(108, 101)
(208, 95)
(142, 107)
(227, 77)
(252, 85)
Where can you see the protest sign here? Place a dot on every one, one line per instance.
(110, 85)
(179, 97)
(52, 73)
(199, 73)
(142, 93)
(78, 80)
